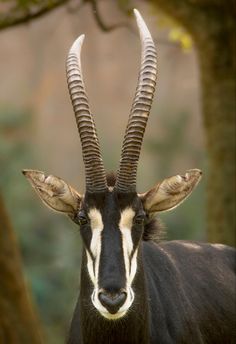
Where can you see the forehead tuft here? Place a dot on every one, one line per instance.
(111, 179)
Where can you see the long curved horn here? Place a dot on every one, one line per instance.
(126, 176)
(94, 169)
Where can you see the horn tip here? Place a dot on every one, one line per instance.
(137, 15)
(76, 46)
(144, 32)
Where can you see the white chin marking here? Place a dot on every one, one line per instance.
(115, 316)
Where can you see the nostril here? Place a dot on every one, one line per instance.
(112, 302)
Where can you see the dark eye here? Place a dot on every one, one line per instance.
(139, 219)
(82, 218)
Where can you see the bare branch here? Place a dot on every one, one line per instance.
(108, 28)
(104, 27)
(24, 14)
(17, 15)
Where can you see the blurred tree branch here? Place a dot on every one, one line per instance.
(18, 12)
(21, 12)
(101, 24)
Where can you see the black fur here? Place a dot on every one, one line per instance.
(190, 298)
(183, 296)
(184, 291)
(89, 327)
(154, 230)
(192, 292)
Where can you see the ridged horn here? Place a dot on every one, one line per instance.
(126, 176)
(94, 169)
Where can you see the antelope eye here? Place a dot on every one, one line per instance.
(139, 219)
(82, 219)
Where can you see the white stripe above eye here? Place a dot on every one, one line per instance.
(125, 225)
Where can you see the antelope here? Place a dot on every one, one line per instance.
(135, 288)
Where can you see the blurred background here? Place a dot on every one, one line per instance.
(38, 131)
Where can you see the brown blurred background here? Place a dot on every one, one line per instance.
(38, 131)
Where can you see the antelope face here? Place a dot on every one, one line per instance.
(111, 217)
(111, 226)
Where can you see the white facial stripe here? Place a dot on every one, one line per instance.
(96, 238)
(126, 218)
(125, 225)
(95, 245)
(90, 267)
(95, 218)
(133, 268)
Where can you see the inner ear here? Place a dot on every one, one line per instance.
(171, 192)
(54, 192)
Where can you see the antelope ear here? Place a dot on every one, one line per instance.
(54, 192)
(171, 192)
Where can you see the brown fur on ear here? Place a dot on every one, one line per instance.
(54, 192)
(171, 192)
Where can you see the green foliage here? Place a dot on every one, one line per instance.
(26, 3)
(172, 144)
(188, 221)
(177, 33)
(49, 245)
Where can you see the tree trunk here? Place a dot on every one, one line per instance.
(212, 26)
(218, 81)
(18, 323)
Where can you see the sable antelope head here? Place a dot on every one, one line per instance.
(112, 216)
